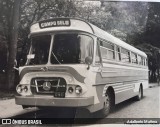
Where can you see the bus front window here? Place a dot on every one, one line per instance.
(71, 48)
(39, 50)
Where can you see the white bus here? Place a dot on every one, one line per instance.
(72, 63)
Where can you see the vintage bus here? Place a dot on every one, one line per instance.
(72, 63)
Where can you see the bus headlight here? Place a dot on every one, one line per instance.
(19, 89)
(78, 89)
(25, 89)
(70, 90)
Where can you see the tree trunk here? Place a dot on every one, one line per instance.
(12, 47)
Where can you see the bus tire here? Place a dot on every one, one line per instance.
(108, 104)
(140, 94)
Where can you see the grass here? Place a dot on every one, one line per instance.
(5, 95)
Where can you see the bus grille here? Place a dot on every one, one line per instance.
(49, 86)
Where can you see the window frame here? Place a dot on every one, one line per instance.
(129, 55)
(118, 53)
(107, 49)
(136, 58)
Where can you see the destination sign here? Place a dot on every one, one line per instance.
(54, 23)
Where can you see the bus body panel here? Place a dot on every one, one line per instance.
(72, 78)
(124, 80)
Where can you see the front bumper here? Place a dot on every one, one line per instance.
(55, 102)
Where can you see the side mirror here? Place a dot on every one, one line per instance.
(15, 63)
(88, 60)
(21, 63)
(16, 68)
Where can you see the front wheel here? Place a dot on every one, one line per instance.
(108, 104)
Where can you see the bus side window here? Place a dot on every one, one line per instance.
(140, 61)
(134, 58)
(143, 61)
(103, 50)
(110, 48)
(146, 62)
(107, 50)
(118, 53)
(125, 55)
(97, 57)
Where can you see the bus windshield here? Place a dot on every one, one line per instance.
(71, 48)
(39, 50)
(66, 49)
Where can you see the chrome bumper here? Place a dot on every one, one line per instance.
(55, 102)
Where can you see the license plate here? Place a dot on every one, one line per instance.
(59, 94)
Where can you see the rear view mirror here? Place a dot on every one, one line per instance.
(21, 63)
(88, 60)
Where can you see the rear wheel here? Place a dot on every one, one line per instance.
(140, 94)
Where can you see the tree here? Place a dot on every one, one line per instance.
(125, 20)
(151, 38)
(13, 37)
(11, 31)
(35, 10)
(5, 13)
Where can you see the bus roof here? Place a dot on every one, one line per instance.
(73, 24)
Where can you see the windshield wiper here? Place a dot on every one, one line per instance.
(56, 57)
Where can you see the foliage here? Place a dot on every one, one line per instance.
(5, 20)
(137, 23)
